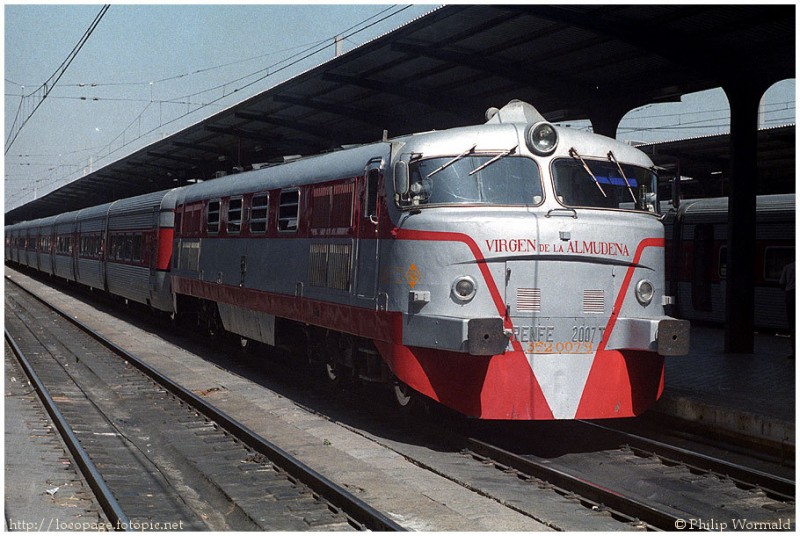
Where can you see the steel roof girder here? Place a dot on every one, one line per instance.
(547, 80)
(400, 89)
(306, 128)
(364, 116)
(680, 49)
(165, 156)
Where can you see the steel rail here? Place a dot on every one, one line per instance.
(655, 517)
(782, 487)
(361, 512)
(93, 477)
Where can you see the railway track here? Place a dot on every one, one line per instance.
(161, 455)
(36, 459)
(662, 486)
(777, 487)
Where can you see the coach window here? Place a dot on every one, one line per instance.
(702, 266)
(137, 248)
(258, 213)
(288, 210)
(128, 247)
(178, 226)
(775, 258)
(235, 215)
(212, 217)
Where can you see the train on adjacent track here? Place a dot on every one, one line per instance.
(697, 257)
(508, 270)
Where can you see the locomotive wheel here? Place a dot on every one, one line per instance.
(214, 328)
(339, 358)
(213, 323)
(332, 372)
(175, 319)
(404, 396)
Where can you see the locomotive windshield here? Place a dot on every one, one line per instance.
(589, 183)
(481, 179)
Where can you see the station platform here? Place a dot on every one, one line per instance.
(747, 395)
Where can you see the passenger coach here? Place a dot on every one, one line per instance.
(697, 254)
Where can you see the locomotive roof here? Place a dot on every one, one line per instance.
(492, 136)
(496, 136)
(312, 169)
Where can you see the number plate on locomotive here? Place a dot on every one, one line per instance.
(574, 339)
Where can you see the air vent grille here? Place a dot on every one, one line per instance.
(529, 300)
(594, 301)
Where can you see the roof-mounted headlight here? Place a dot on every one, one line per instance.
(541, 138)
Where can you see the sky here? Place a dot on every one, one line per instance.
(147, 71)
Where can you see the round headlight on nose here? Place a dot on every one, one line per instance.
(644, 291)
(542, 138)
(464, 288)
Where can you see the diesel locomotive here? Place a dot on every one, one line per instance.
(508, 270)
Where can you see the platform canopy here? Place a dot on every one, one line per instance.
(704, 162)
(446, 68)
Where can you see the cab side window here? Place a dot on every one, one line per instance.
(289, 210)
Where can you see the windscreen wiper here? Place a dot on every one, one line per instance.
(493, 160)
(574, 154)
(628, 184)
(451, 162)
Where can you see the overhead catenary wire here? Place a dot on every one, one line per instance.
(20, 121)
(324, 43)
(202, 70)
(269, 71)
(273, 69)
